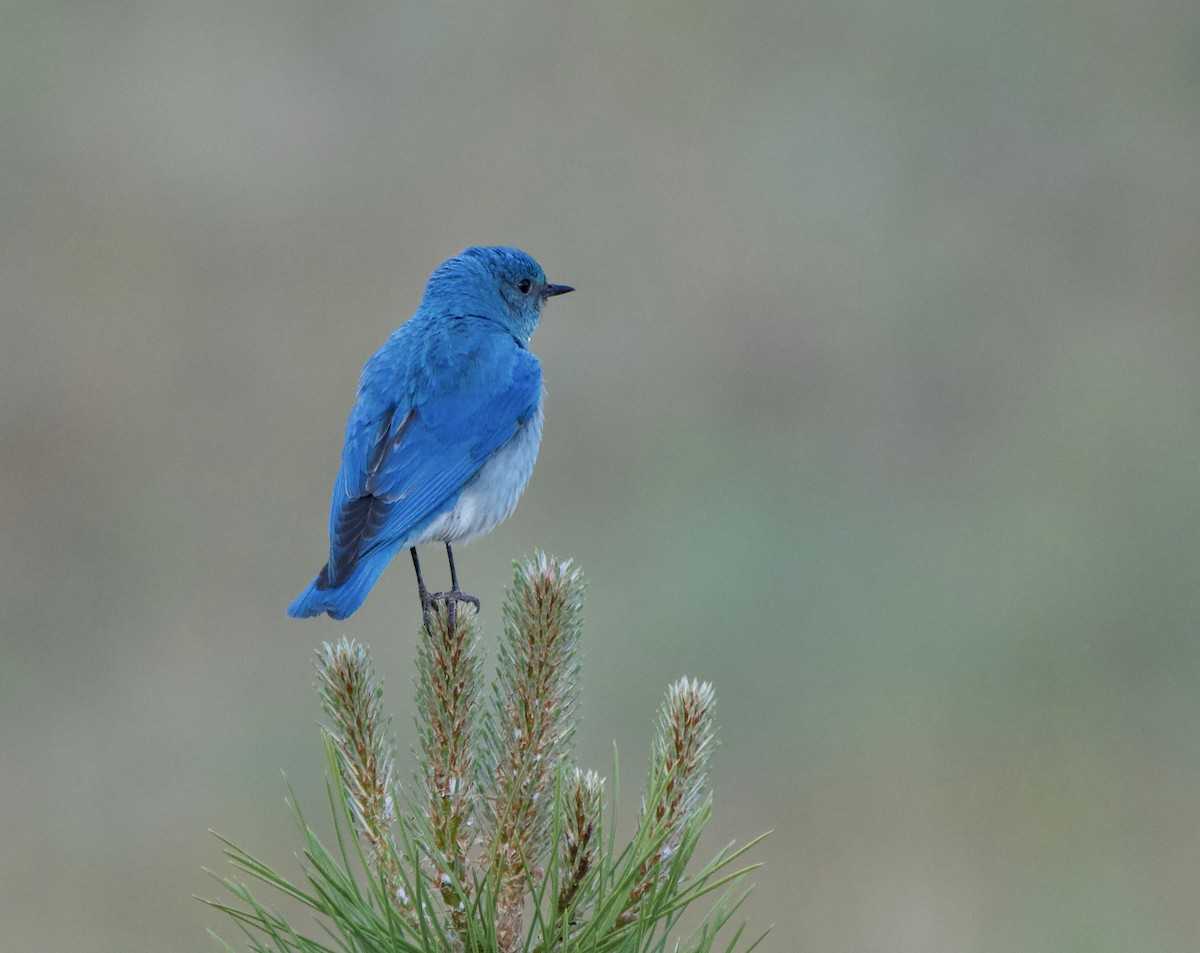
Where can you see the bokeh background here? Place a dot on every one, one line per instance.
(878, 405)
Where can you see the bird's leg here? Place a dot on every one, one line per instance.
(427, 600)
(455, 595)
(450, 598)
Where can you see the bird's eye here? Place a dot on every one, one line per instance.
(524, 285)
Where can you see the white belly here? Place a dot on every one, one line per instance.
(491, 495)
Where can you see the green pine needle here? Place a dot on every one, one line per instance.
(505, 846)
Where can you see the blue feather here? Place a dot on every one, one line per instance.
(443, 436)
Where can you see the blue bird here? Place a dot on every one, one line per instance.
(445, 431)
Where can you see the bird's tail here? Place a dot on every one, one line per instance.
(343, 599)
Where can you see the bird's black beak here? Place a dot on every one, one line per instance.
(552, 290)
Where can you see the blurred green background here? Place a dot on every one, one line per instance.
(878, 405)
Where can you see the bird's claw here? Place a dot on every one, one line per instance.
(451, 599)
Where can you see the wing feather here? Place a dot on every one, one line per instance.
(410, 447)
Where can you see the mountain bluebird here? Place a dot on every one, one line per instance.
(445, 431)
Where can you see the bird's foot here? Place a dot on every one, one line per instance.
(451, 599)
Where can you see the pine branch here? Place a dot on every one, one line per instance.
(678, 770)
(536, 696)
(352, 697)
(502, 847)
(449, 673)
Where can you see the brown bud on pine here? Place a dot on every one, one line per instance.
(352, 698)
(683, 744)
(583, 797)
(536, 695)
(449, 673)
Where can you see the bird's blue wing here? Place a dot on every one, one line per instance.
(410, 448)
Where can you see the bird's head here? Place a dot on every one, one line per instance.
(502, 284)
